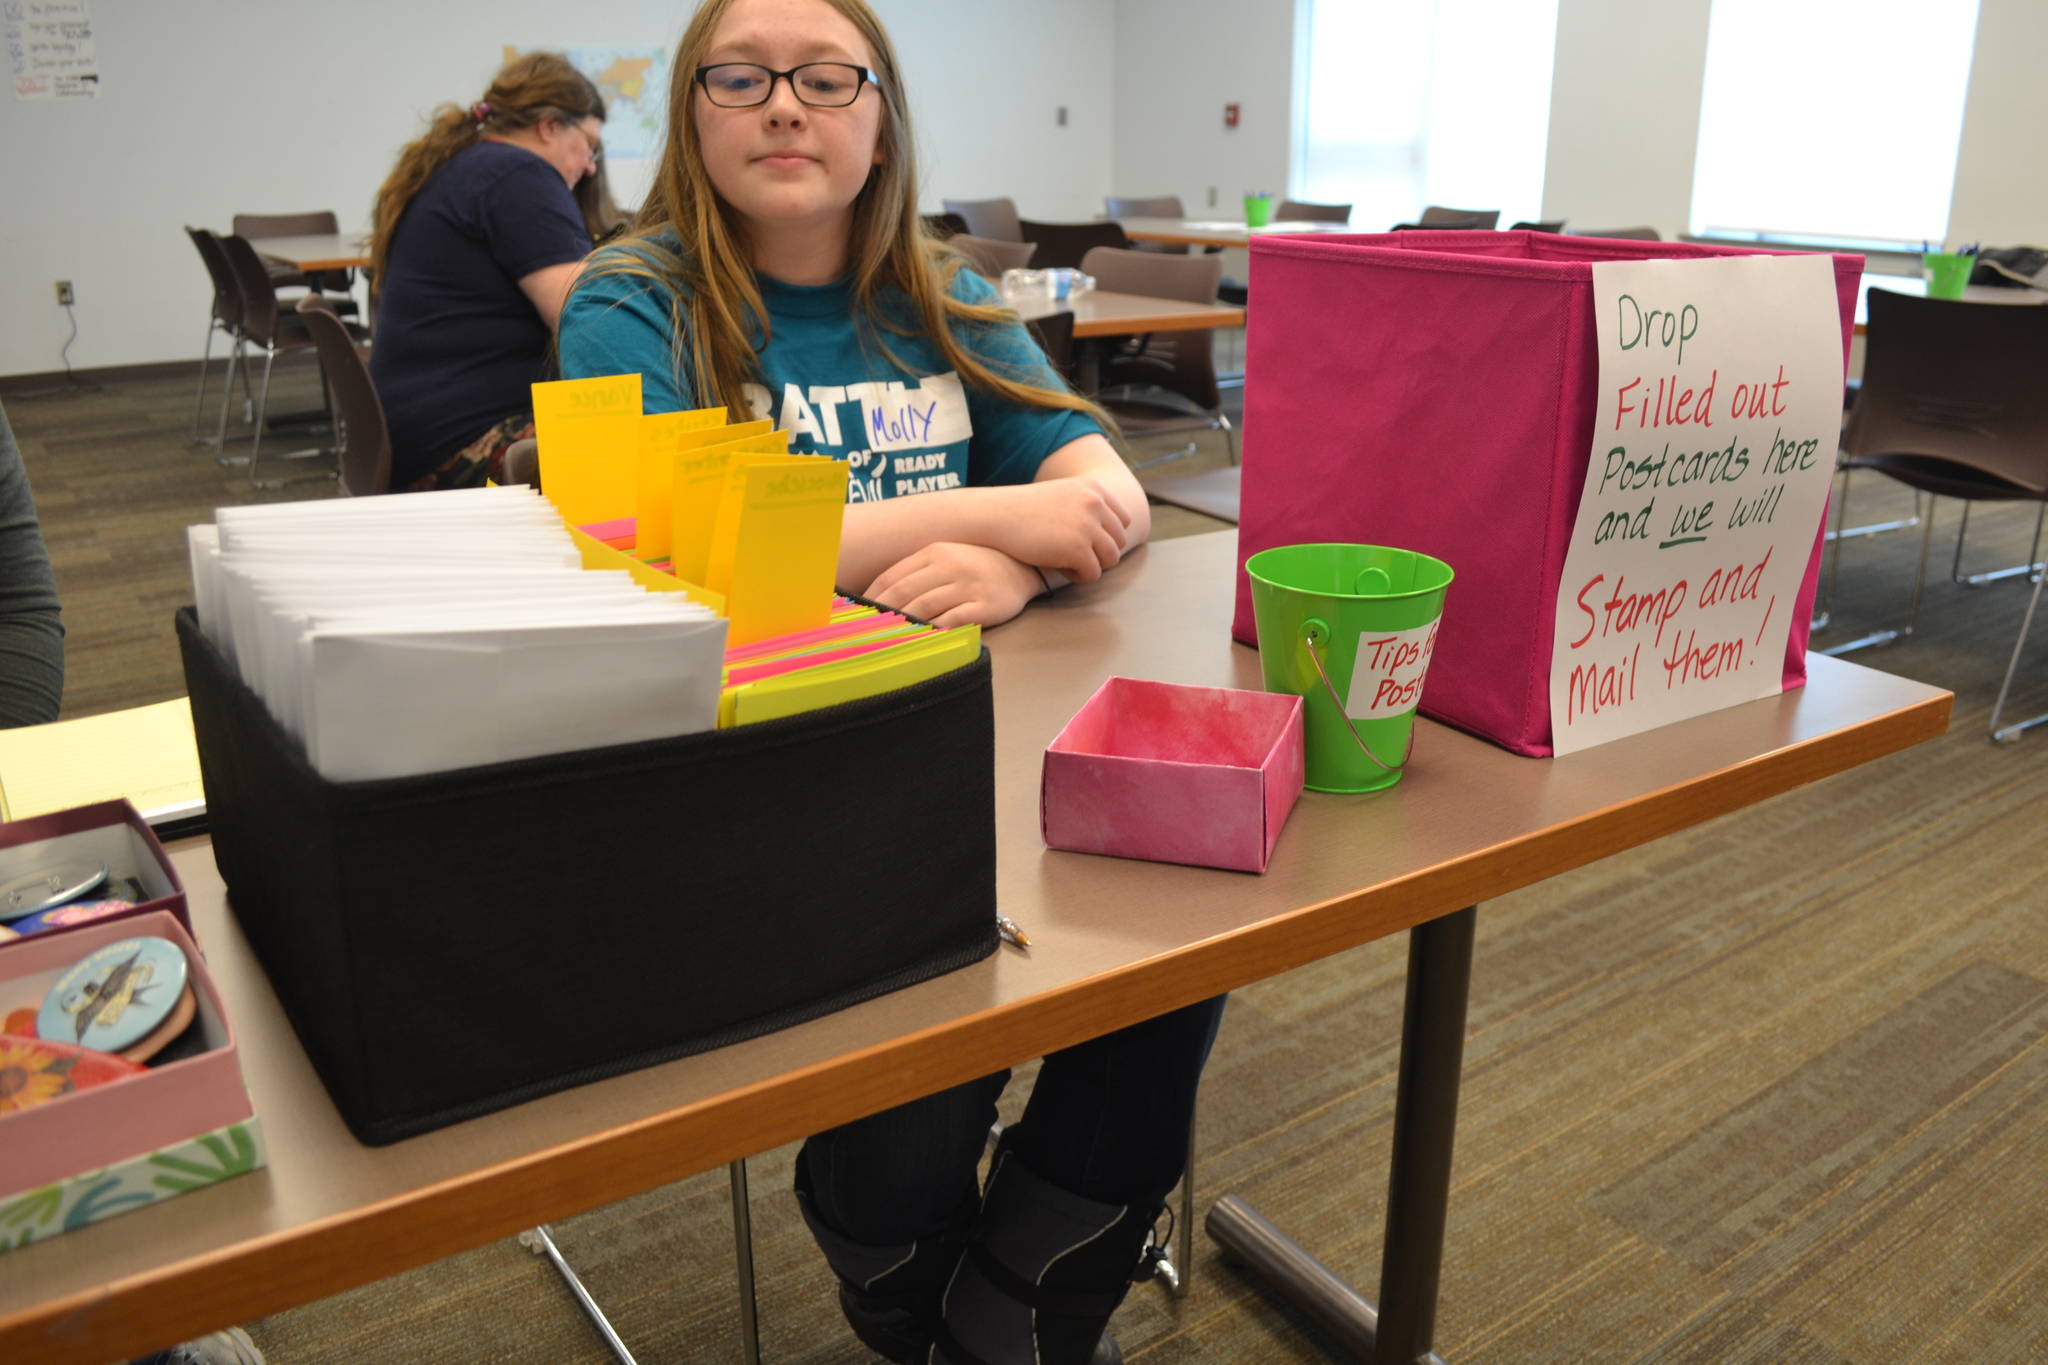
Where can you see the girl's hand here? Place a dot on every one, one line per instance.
(1075, 525)
(951, 584)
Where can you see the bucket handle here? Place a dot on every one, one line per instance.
(1313, 630)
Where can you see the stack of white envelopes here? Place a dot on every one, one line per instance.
(394, 636)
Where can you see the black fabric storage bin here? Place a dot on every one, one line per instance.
(451, 944)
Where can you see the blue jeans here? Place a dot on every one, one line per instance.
(1108, 1120)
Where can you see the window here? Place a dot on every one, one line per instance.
(1411, 104)
(1830, 123)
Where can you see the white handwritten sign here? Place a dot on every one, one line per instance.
(1387, 679)
(50, 49)
(1713, 446)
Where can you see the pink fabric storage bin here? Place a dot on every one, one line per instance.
(1175, 774)
(1435, 391)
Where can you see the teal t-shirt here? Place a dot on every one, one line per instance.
(905, 429)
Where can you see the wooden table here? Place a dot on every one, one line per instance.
(1215, 232)
(1114, 942)
(1917, 285)
(1106, 313)
(322, 251)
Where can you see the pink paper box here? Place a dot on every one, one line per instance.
(176, 1127)
(1174, 774)
(110, 832)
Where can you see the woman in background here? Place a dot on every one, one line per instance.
(476, 236)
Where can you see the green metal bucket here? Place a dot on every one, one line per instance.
(1349, 629)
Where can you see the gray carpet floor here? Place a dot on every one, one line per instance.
(1771, 1090)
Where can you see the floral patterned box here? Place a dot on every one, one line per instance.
(87, 1155)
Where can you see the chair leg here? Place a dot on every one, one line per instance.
(743, 1260)
(199, 402)
(1875, 527)
(539, 1241)
(1184, 1235)
(1827, 601)
(256, 431)
(2031, 568)
(2009, 733)
(220, 435)
(1181, 454)
(1885, 637)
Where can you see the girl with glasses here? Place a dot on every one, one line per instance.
(779, 268)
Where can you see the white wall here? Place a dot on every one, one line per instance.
(212, 107)
(1178, 63)
(1624, 118)
(987, 80)
(2001, 196)
(1625, 112)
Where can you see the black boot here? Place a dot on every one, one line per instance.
(890, 1295)
(1043, 1270)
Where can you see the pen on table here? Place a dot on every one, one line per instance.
(1012, 935)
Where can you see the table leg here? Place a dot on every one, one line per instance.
(1418, 1177)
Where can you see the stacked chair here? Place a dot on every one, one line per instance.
(1952, 405)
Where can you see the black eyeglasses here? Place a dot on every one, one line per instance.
(822, 85)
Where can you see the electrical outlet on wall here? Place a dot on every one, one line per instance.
(64, 295)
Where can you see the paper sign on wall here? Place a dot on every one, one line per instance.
(1714, 439)
(50, 49)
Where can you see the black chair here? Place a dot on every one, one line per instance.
(1066, 243)
(1301, 211)
(282, 276)
(522, 462)
(944, 225)
(1952, 404)
(1478, 222)
(991, 258)
(1159, 206)
(224, 316)
(1054, 334)
(1167, 381)
(265, 325)
(1543, 225)
(1626, 234)
(996, 218)
(362, 442)
(1437, 216)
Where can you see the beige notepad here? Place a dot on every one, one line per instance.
(146, 754)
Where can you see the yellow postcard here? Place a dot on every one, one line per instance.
(589, 445)
(777, 545)
(659, 436)
(698, 482)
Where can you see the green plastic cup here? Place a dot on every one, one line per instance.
(1947, 273)
(1258, 210)
(1329, 615)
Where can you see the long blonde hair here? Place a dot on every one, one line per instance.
(716, 314)
(535, 88)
